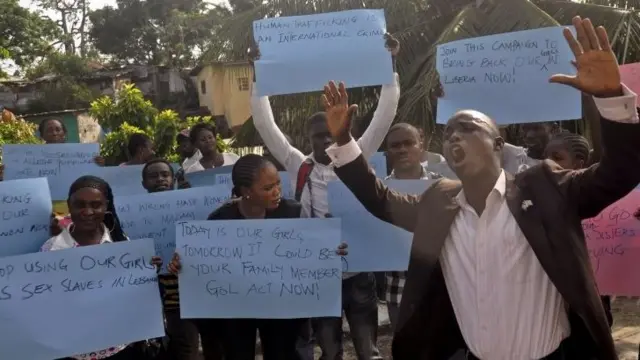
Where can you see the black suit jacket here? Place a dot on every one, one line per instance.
(560, 200)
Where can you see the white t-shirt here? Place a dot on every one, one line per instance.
(229, 159)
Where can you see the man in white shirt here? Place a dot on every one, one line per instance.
(499, 265)
(358, 294)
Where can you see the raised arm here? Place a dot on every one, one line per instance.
(353, 170)
(290, 157)
(590, 191)
(264, 121)
(377, 130)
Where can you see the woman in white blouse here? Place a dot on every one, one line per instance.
(94, 222)
(203, 137)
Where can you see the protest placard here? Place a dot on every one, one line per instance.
(302, 53)
(374, 245)
(613, 239)
(273, 269)
(61, 164)
(154, 215)
(485, 73)
(124, 180)
(209, 177)
(378, 163)
(630, 74)
(225, 179)
(26, 216)
(105, 295)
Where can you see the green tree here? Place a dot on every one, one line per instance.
(66, 89)
(25, 36)
(154, 32)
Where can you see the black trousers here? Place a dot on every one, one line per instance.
(185, 335)
(278, 338)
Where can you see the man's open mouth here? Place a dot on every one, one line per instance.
(457, 154)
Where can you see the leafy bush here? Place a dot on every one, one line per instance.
(114, 147)
(16, 131)
(131, 113)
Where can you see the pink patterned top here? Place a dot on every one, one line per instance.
(65, 241)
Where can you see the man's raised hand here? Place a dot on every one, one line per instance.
(339, 112)
(597, 67)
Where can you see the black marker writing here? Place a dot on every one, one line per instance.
(217, 288)
(292, 253)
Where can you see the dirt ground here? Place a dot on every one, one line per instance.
(626, 332)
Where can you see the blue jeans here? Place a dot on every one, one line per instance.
(360, 306)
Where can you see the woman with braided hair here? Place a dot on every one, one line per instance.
(571, 151)
(94, 221)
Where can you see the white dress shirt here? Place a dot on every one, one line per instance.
(195, 166)
(506, 306)
(292, 158)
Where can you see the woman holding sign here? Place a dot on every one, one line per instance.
(94, 222)
(257, 188)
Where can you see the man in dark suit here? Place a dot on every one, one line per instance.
(499, 265)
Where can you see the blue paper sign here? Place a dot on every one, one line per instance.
(26, 216)
(513, 69)
(61, 164)
(48, 296)
(209, 177)
(124, 180)
(225, 179)
(379, 164)
(374, 245)
(265, 269)
(302, 53)
(155, 215)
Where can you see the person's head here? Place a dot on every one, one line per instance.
(53, 131)
(404, 147)
(185, 146)
(140, 148)
(569, 150)
(91, 206)
(472, 144)
(536, 138)
(257, 181)
(203, 137)
(157, 175)
(319, 137)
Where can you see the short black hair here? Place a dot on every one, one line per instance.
(244, 171)
(199, 127)
(43, 125)
(157, 161)
(319, 117)
(404, 126)
(136, 142)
